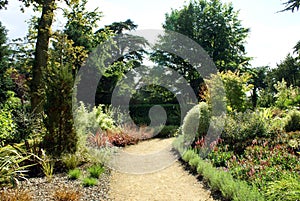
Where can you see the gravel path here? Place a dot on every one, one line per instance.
(169, 183)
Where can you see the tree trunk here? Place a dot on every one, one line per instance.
(41, 56)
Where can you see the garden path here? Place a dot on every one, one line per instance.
(169, 183)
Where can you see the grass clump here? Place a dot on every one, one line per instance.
(71, 161)
(15, 195)
(66, 194)
(74, 174)
(89, 181)
(95, 171)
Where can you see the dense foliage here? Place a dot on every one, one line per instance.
(256, 156)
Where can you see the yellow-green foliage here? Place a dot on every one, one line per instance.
(10, 165)
(288, 189)
(236, 86)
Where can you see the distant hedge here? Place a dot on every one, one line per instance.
(140, 113)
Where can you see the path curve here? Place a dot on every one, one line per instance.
(171, 183)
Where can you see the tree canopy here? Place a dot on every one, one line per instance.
(216, 27)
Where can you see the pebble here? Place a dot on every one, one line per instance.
(41, 189)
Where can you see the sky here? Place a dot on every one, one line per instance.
(272, 35)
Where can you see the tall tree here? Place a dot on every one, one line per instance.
(289, 70)
(47, 8)
(216, 27)
(41, 54)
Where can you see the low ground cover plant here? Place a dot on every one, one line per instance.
(74, 174)
(89, 181)
(95, 171)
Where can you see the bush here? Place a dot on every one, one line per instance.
(194, 162)
(288, 189)
(95, 171)
(15, 195)
(74, 174)
(11, 168)
(71, 161)
(167, 131)
(86, 182)
(188, 155)
(66, 195)
(196, 122)
(292, 121)
(242, 128)
(90, 121)
(219, 157)
(7, 126)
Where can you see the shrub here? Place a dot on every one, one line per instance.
(188, 155)
(140, 133)
(74, 174)
(236, 87)
(292, 121)
(242, 128)
(11, 168)
(115, 137)
(15, 195)
(167, 131)
(90, 121)
(194, 162)
(86, 182)
(288, 188)
(219, 157)
(196, 122)
(66, 194)
(7, 126)
(95, 171)
(71, 161)
(61, 136)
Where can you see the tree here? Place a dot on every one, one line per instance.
(37, 85)
(258, 81)
(81, 26)
(214, 26)
(60, 136)
(5, 82)
(291, 5)
(125, 61)
(41, 54)
(289, 70)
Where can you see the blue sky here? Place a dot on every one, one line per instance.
(272, 36)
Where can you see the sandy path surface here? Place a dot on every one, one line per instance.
(169, 183)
